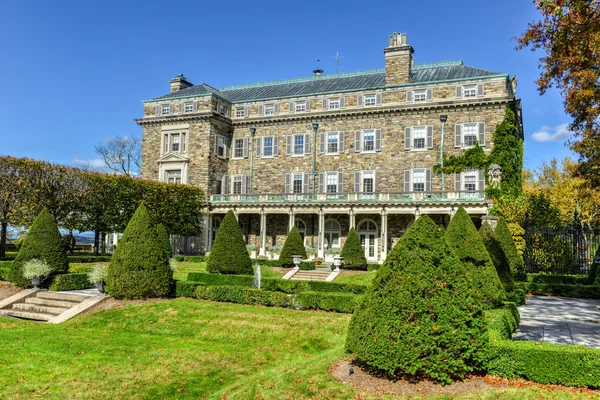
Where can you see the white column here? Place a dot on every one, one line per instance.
(384, 229)
(352, 219)
(115, 238)
(236, 214)
(417, 213)
(263, 232)
(292, 221)
(321, 233)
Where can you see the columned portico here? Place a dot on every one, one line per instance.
(352, 218)
(263, 232)
(384, 230)
(292, 219)
(321, 233)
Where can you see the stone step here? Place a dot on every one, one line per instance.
(312, 273)
(50, 303)
(301, 278)
(39, 308)
(27, 315)
(60, 296)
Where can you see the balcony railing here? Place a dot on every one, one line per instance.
(407, 197)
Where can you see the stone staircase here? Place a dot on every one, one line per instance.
(52, 307)
(310, 276)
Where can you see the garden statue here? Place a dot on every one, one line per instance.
(495, 173)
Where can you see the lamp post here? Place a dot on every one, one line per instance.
(443, 119)
(315, 126)
(252, 133)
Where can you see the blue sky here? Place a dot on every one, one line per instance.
(74, 73)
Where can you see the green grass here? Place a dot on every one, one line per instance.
(185, 267)
(185, 349)
(363, 278)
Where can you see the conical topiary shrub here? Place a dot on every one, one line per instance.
(139, 268)
(466, 244)
(419, 318)
(164, 236)
(42, 242)
(507, 244)
(293, 246)
(353, 253)
(228, 254)
(497, 255)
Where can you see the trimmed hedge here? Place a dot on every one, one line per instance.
(5, 270)
(338, 302)
(420, 317)
(545, 363)
(558, 289)
(507, 243)
(192, 259)
(353, 253)
(220, 280)
(140, 266)
(516, 296)
(80, 269)
(70, 282)
(186, 288)
(228, 254)
(164, 237)
(497, 256)
(563, 279)
(304, 265)
(88, 259)
(467, 245)
(42, 242)
(293, 246)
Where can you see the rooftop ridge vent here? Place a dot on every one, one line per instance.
(437, 64)
(306, 79)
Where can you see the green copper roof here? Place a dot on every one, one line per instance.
(334, 83)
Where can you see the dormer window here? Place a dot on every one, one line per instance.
(420, 96)
(269, 109)
(188, 107)
(300, 106)
(239, 112)
(165, 109)
(470, 91)
(370, 100)
(334, 103)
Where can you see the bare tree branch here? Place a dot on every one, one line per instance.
(121, 154)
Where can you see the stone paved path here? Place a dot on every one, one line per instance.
(560, 320)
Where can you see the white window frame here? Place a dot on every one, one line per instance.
(235, 148)
(367, 175)
(470, 173)
(188, 107)
(295, 145)
(168, 142)
(363, 141)
(237, 179)
(176, 179)
(337, 142)
(334, 104)
(263, 145)
(475, 134)
(414, 179)
(165, 109)
(240, 112)
(300, 106)
(469, 91)
(331, 179)
(331, 232)
(221, 146)
(269, 109)
(293, 182)
(413, 137)
(420, 96)
(368, 98)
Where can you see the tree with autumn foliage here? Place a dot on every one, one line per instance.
(569, 36)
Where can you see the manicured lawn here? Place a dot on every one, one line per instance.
(185, 349)
(361, 278)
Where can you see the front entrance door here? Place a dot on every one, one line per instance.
(367, 232)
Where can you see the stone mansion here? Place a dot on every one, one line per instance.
(330, 152)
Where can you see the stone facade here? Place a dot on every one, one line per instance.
(195, 133)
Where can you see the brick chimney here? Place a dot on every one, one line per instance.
(398, 60)
(179, 82)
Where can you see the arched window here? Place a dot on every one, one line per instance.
(332, 234)
(301, 226)
(367, 232)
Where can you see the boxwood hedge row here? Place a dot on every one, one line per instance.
(558, 289)
(70, 282)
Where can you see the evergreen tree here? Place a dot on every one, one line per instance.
(139, 268)
(353, 252)
(420, 317)
(228, 254)
(293, 246)
(43, 242)
(497, 255)
(507, 244)
(164, 236)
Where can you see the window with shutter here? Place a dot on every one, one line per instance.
(332, 142)
(420, 96)
(307, 144)
(357, 181)
(331, 180)
(377, 139)
(359, 101)
(322, 143)
(340, 182)
(357, 141)
(407, 174)
(275, 146)
(321, 182)
(368, 182)
(480, 90)
(258, 147)
(292, 107)
(409, 96)
(418, 178)
(341, 142)
(481, 133)
(407, 138)
(419, 137)
(430, 137)
(289, 145)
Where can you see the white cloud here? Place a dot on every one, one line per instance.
(559, 133)
(93, 163)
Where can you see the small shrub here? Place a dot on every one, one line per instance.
(4, 270)
(497, 256)
(97, 273)
(63, 282)
(515, 260)
(307, 266)
(36, 268)
(139, 268)
(42, 242)
(338, 302)
(186, 288)
(466, 244)
(353, 253)
(419, 317)
(293, 246)
(228, 254)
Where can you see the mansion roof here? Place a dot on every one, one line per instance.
(334, 83)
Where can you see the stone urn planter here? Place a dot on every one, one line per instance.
(36, 281)
(99, 286)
